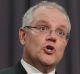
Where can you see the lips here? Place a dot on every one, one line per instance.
(49, 49)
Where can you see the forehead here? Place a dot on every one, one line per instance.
(51, 15)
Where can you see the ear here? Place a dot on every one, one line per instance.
(22, 36)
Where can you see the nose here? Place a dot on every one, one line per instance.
(52, 40)
(52, 37)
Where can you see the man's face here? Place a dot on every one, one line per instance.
(45, 45)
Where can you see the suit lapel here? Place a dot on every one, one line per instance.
(55, 72)
(19, 69)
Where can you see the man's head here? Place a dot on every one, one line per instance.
(44, 35)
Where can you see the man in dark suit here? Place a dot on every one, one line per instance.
(44, 35)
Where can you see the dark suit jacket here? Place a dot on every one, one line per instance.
(18, 69)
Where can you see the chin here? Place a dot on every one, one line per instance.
(48, 62)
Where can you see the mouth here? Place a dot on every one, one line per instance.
(49, 49)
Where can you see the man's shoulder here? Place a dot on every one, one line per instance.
(10, 70)
(18, 69)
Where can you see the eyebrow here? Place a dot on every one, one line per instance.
(42, 21)
(47, 23)
(63, 26)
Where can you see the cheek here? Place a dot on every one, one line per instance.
(34, 42)
(33, 45)
(61, 49)
(62, 46)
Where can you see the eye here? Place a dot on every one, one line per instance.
(60, 32)
(43, 28)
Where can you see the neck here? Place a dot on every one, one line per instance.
(40, 66)
(45, 68)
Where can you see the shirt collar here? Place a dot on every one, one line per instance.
(32, 70)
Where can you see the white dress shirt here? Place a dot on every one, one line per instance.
(32, 70)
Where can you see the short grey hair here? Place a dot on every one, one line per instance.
(28, 17)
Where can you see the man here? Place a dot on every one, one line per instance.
(44, 35)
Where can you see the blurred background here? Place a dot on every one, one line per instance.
(11, 12)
